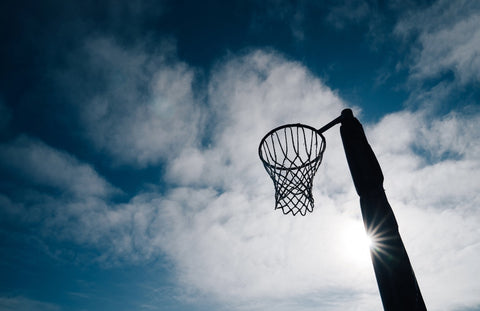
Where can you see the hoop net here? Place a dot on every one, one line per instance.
(291, 154)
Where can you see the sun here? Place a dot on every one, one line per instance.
(369, 241)
(356, 244)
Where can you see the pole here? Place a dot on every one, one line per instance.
(395, 277)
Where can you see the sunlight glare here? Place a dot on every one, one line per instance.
(356, 244)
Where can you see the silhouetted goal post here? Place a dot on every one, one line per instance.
(291, 155)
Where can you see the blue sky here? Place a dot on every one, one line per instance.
(130, 178)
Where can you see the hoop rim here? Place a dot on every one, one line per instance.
(286, 126)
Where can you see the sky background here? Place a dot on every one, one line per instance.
(130, 177)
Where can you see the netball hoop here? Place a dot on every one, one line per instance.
(291, 155)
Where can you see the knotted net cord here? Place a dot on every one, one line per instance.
(291, 155)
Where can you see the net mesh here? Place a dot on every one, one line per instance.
(291, 155)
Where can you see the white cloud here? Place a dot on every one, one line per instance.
(444, 249)
(249, 95)
(239, 250)
(432, 162)
(449, 40)
(137, 106)
(42, 165)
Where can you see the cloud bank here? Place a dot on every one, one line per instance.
(136, 105)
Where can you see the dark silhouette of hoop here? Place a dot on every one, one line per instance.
(291, 155)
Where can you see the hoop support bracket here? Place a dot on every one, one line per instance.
(330, 124)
